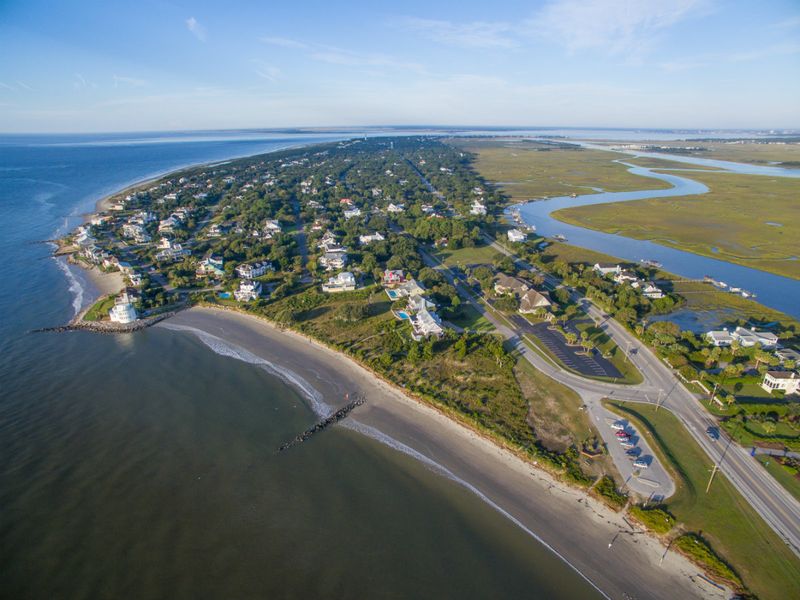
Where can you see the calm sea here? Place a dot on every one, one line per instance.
(144, 467)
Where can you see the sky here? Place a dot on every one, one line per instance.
(149, 65)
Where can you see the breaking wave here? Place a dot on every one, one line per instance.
(75, 287)
(225, 348)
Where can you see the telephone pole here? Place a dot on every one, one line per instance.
(710, 479)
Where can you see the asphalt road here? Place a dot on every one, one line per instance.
(771, 500)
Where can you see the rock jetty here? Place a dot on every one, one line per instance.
(324, 424)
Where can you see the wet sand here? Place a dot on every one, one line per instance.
(575, 526)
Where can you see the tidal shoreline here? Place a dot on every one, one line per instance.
(573, 525)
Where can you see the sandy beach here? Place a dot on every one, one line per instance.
(600, 544)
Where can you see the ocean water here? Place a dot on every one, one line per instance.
(145, 467)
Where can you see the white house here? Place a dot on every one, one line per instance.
(515, 235)
(478, 209)
(607, 269)
(426, 323)
(786, 381)
(395, 208)
(272, 226)
(333, 260)
(625, 276)
(719, 338)
(343, 282)
(253, 270)
(368, 239)
(750, 337)
(123, 310)
(248, 290)
(352, 212)
(652, 291)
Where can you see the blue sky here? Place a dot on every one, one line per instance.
(152, 65)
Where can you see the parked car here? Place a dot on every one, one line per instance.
(617, 425)
(622, 434)
(641, 463)
(626, 444)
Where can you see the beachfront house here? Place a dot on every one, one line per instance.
(786, 381)
(606, 269)
(248, 290)
(532, 301)
(123, 310)
(253, 270)
(515, 235)
(625, 276)
(343, 282)
(425, 323)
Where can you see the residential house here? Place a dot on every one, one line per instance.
(333, 260)
(211, 266)
(172, 254)
(272, 226)
(426, 323)
(505, 284)
(368, 239)
(721, 338)
(606, 269)
(785, 354)
(393, 277)
(253, 270)
(531, 301)
(625, 276)
(248, 290)
(750, 337)
(123, 310)
(343, 282)
(478, 209)
(395, 208)
(515, 235)
(652, 291)
(352, 212)
(786, 381)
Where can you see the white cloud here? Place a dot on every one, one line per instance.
(131, 81)
(611, 26)
(716, 59)
(269, 72)
(477, 34)
(197, 30)
(5, 86)
(284, 42)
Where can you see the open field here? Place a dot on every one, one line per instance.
(766, 565)
(745, 219)
(472, 320)
(524, 173)
(467, 256)
(657, 163)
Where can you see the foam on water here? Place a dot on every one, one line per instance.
(225, 348)
(75, 287)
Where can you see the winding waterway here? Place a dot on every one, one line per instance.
(772, 290)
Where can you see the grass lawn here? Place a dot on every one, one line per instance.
(575, 254)
(467, 256)
(526, 172)
(787, 478)
(745, 219)
(472, 320)
(99, 310)
(766, 565)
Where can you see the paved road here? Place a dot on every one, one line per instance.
(771, 500)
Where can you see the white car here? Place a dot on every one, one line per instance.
(617, 425)
(640, 463)
(626, 444)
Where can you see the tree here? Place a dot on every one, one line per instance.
(572, 337)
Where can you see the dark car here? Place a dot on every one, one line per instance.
(713, 433)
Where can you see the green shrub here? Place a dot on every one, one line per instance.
(606, 489)
(698, 550)
(655, 519)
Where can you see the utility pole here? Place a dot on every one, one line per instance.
(710, 479)
(658, 403)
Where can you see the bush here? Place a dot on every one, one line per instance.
(655, 519)
(698, 550)
(606, 489)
